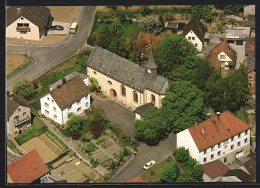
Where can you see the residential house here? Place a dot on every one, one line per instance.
(251, 71)
(250, 9)
(139, 111)
(250, 45)
(195, 31)
(145, 40)
(213, 171)
(223, 137)
(27, 169)
(236, 175)
(72, 96)
(235, 36)
(18, 114)
(222, 57)
(27, 22)
(128, 83)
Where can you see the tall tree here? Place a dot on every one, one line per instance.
(175, 52)
(203, 12)
(74, 122)
(197, 172)
(181, 154)
(24, 88)
(182, 105)
(104, 38)
(169, 174)
(151, 25)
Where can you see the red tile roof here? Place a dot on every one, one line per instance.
(217, 129)
(28, 168)
(137, 179)
(215, 169)
(221, 47)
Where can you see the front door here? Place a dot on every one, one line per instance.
(112, 93)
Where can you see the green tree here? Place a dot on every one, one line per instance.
(169, 174)
(234, 9)
(190, 163)
(197, 173)
(104, 38)
(175, 52)
(203, 12)
(151, 25)
(145, 10)
(121, 16)
(152, 129)
(24, 88)
(116, 46)
(181, 154)
(74, 122)
(183, 105)
(93, 84)
(184, 177)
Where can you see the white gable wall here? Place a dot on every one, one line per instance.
(184, 139)
(34, 33)
(195, 41)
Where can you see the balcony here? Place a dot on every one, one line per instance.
(22, 121)
(28, 29)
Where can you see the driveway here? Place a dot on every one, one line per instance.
(65, 31)
(47, 57)
(145, 154)
(116, 113)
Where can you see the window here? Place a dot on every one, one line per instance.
(86, 97)
(196, 45)
(23, 32)
(54, 109)
(238, 144)
(123, 90)
(246, 140)
(205, 152)
(19, 109)
(69, 108)
(250, 77)
(21, 18)
(87, 104)
(250, 84)
(212, 148)
(52, 101)
(222, 57)
(193, 38)
(94, 72)
(219, 145)
(79, 109)
(246, 132)
(46, 105)
(232, 147)
(212, 156)
(48, 98)
(153, 98)
(189, 38)
(24, 114)
(19, 24)
(55, 117)
(225, 160)
(16, 118)
(219, 153)
(79, 101)
(232, 139)
(205, 159)
(135, 96)
(109, 82)
(26, 25)
(239, 135)
(47, 112)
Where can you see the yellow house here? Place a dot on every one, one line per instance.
(128, 83)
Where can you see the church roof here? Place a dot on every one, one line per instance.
(151, 61)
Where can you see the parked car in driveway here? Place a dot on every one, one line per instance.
(149, 164)
(57, 27)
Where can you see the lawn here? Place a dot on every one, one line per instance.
(157, 169)
(10, 144)
(37, 128)
(85, 127)
(242, 114)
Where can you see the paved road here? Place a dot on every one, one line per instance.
(145, 154)
(47, 57)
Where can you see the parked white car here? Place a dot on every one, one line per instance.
(149, 164)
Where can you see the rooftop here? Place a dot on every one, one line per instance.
(70, 92)
(137, 179)
(215, 169)
(240, 174)
(216, 130)
(142, 109)
(126, 72)
(251, 62)
(234, 33)
(197, 27)
(28, 168)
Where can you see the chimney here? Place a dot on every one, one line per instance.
(208, 115)
(58, 86)
(202, 129)
(63, 81)
(18, 10)
(218, 113)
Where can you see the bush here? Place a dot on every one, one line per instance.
(100, 140)
(75, 135)
(43, 116)
(97, 128)
(90, 147)
(94, 162)
(182, 154)
(93, 84)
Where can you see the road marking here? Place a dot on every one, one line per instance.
(24, 70)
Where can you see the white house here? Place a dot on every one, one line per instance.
(72, 96)
(27, 22)
(195, 31)
(223, 137)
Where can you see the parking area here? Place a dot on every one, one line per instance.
(65, 31)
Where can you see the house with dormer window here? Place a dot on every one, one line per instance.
(68, 95)
(27, 22)
(128, 83)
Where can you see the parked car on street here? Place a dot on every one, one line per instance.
(149, 164)
(57, 27)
